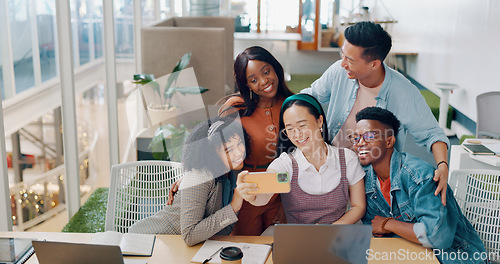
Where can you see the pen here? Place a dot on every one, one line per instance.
(210, 258)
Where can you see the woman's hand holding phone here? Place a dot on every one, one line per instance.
(244, 188)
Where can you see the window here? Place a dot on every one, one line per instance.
(46, 25)
(22, 53)
(270, 19)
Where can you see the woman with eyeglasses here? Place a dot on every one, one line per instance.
(324, 178)
(207, 203)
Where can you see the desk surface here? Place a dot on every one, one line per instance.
(493, 160)
(461, 159)
(173, 248)
(267, 36)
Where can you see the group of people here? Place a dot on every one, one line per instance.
(345, 165)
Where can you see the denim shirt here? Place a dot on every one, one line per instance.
(336, 91)
(413, 201)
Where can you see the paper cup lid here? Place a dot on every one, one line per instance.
(231, 253)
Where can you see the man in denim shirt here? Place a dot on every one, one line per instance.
(399, 194)
(361, 79)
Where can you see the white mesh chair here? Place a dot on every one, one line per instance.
(478, 194)
(487, 110)
(137, 190)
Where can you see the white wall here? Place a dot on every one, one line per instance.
(458, 41)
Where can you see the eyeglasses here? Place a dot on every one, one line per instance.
(291, 131)
(367, 137)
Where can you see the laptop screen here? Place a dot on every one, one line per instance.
(294, 243)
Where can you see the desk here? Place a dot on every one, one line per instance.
(173, 248)
(273, 36)
(462, 159)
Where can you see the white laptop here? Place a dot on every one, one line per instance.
(294, 243)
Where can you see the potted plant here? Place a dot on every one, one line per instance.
(161, 108)
(168, 139)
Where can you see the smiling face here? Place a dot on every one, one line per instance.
(355, 65)
(381, 145)
(302, 128)
(262, 79)
(232, 153)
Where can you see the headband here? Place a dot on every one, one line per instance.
(303, 97)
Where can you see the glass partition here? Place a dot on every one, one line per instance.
(46, 23)
(1, 72)
(22, 53)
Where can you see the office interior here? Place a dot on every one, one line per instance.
(68, 66)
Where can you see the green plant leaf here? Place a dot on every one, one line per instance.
(169, 90)
(183, 62)
(143, 78)
(171, 79)
(185, 90)
(155, 86)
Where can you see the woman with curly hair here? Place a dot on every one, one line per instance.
(207, 203)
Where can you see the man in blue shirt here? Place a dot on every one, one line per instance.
(399, 194)
(361, 79)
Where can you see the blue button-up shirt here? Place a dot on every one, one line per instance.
(413, 201)
(337, 93)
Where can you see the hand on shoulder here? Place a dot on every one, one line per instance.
(231, 105)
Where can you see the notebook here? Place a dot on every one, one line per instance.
(15, 250)
(294, 243)
(252, 253)
(478, 149)
(49, 252)
(130, 244)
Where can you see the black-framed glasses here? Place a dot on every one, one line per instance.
(367, 137)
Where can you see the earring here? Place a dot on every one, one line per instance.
(321, 129)
(251, 95)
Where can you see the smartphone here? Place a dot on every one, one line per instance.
(269, 182)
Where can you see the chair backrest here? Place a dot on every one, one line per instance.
(478, 194)
(209, 39)
(488, 107)
(137, 190)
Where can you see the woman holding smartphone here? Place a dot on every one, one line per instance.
(324, 178)
(207, 203)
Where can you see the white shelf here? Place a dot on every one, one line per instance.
(329, 49)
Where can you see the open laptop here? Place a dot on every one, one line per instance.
(294, 243)
(48, 252)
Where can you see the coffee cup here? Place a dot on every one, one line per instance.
(231, 255)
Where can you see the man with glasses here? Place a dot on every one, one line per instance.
(361, 79)
(399, 194)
